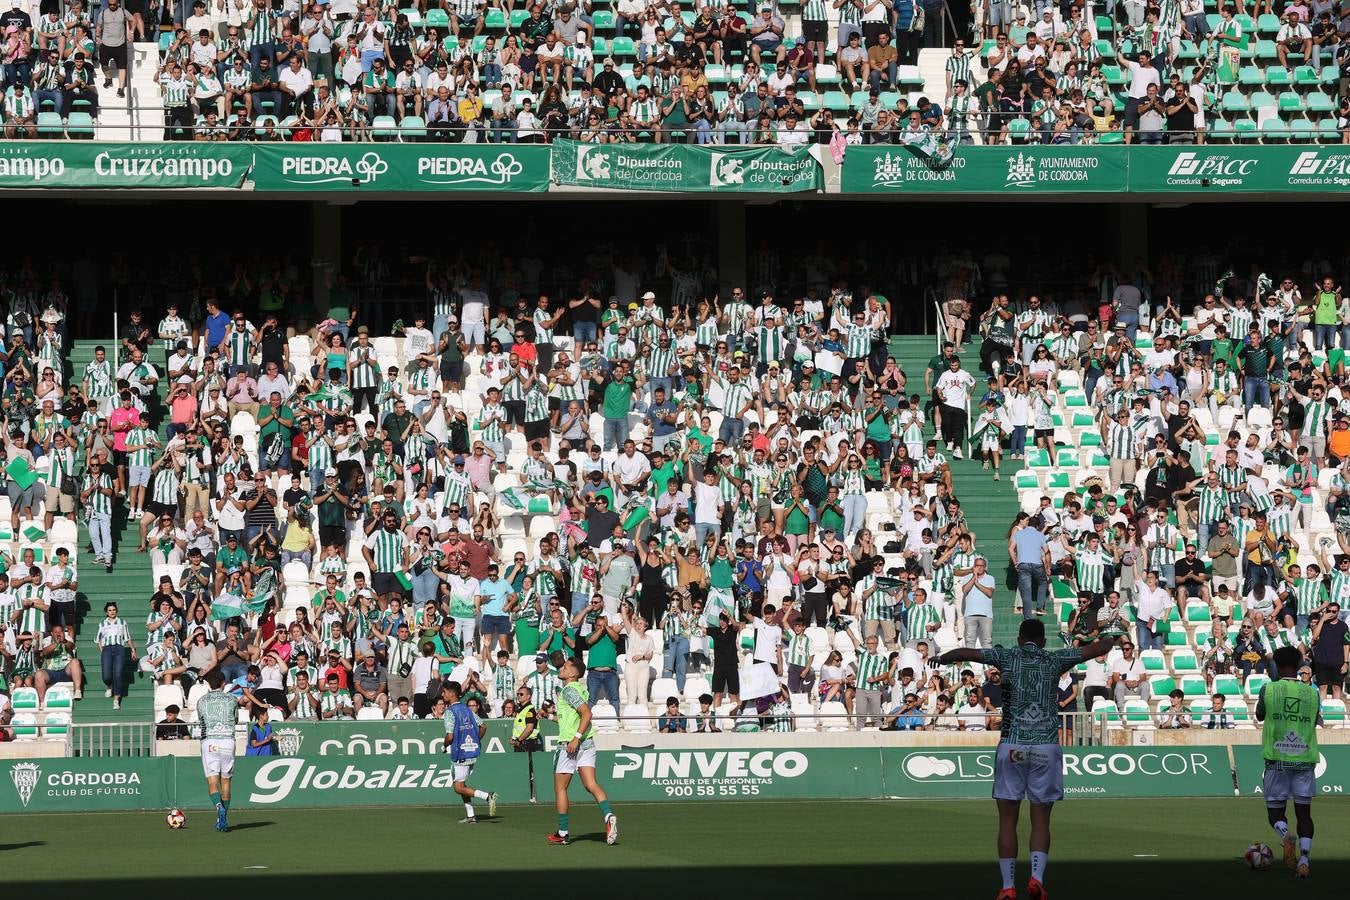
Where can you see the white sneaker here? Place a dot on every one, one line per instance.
(996, 477)
(956, 454)
(117, 704)
(108, 692)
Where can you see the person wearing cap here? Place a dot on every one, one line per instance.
(766, 35)
(543, 682)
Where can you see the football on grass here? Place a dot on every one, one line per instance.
(176, 819)
(1258, 857)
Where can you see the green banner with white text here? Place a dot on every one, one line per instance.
(387, 738)
(426, 167)
(77, 164)
(683, 167)
(1009, 170)
(1220, 169)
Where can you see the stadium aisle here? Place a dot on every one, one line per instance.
(989, 506)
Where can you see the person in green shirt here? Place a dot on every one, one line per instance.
(576, 750)
(276, 426)
(1288, 711)
(617, 404)
(602, 661)
(378, 87)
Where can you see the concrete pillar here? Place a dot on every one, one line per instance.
(325, 248)
(1130, 221)
(731, 244)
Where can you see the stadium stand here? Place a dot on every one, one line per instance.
(296, 493)
(782, 72)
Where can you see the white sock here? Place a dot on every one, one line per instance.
(1038, 861)
(480, 795)
(1282, 829)
(1008, 869)
(1304, 848)
(468, 809)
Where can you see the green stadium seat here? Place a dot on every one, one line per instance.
(622, 47)
(1290, 102)
(1319, 103)
(1273, 131)
(1221, 131)
(49, 125)
(1177, 638)
(1265, 51)
(518, 17)
(1083, 420)
(1038, 458)
(603, 19)
(1078, 399)
(1066, 458)
(1333, 713)
(836, 100)
(1329, 131)
(1235, 102)
(1153, 661)
(80, 125)
(495, 18)
(1183, 661)
(1137, 712)
(24, 699)
(1246, 130)
(1227, 685)
(1330, 77)
(1197, 613)
(1111, 137)
(1302, 129)
(1057, 481)
(1113, 75)
(1305, 76)
(1251, 76)
(1277, 77)
(1193, 686)
(437, 18)
(1161, 685)
(1105, 25)
(1090, 439)
(413, 128)
(384, 128)
(1026, 480)
(1268, 25)
(1187, 51)
(1254, 684)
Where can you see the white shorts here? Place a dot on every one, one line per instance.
(1032, 772)
(218, 758)
(568, 763)
(138, 476)
(1279, 785)
(463, 770)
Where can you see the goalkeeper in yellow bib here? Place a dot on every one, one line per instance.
(576, 749)
(217, 713)
(1289, 712)
(1030, 762)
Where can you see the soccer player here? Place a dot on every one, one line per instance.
(217, 713)
(576, 753)
(1030, 763)
(464, 741)
(1288, 711)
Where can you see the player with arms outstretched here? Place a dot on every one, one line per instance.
(464, 742)
(1030, 762)
(1289, 713)
(576, 748)
(217, 714)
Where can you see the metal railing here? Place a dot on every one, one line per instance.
(111, 739)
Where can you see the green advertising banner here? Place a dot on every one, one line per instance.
(77, 164)
(385, 738)
(1219, 169)
(81, 785)
(926, 772)
(401, 167)
(1333, 770)
(889, 168)
(650, 774)
(682, 167)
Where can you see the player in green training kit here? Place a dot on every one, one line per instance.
(217, 713)
(1289, 713)
(1030, 762)
(576, 750)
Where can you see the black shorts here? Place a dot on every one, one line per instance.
(1131, 116)
(815, 31)
(62, 614)
(161, 509)
(1325, 675)
(107, 55)
(726, 681)
(536, 431)
(119, 458)
(385, 583)
(332, 535)
(515, 411)
(452, 370)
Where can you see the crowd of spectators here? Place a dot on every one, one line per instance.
(1199, 503)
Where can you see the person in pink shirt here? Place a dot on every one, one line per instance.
(241, 394)
(124, 418)
(182, 407)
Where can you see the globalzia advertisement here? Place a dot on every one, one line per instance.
(632, 773)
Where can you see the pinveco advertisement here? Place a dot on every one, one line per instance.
(630, 773)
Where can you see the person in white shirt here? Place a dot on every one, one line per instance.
(1293, 37)
(973, 716)
(1128, 676)
(1155, 603)
(203, 51)
(793, 133)
(1046, 29)
(297, 87)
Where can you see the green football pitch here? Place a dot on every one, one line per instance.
(1103, 849)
